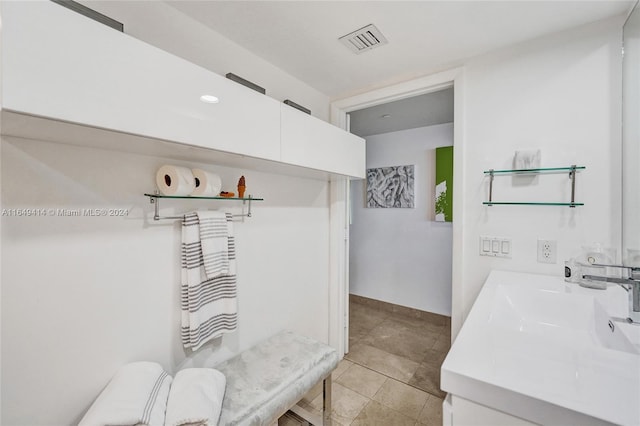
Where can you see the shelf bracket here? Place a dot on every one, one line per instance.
(572, 176)
(490, 187)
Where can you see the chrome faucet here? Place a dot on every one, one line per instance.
(631, 284)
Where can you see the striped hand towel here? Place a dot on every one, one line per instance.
(215, 232)
(208, 304)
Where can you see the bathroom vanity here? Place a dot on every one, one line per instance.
(537, 350)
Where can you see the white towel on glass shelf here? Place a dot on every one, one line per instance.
(136, 395)
(196, 397)
(527, 160)
(208, 304)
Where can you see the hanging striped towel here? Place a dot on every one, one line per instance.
(208, 303)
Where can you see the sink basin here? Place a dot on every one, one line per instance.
(549, 352)
(609, 332)
(567, 319)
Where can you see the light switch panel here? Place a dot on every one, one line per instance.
(495, 246)
(505, 248)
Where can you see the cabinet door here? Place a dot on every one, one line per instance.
(61, 65)
(310, 142)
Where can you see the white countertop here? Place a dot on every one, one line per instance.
(541, 349)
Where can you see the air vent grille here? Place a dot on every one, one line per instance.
(366, 38)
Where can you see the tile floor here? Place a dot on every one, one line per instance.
(391, 375)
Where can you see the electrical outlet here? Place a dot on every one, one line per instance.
(547, 251)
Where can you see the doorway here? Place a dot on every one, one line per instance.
(400, 249)
(339, 287)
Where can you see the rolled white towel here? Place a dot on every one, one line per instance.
(527, 159)
(136, 395)
(196, 397)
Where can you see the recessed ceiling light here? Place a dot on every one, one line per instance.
(385, 116)
(210, 99)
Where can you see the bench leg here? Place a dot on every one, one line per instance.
(326, 401)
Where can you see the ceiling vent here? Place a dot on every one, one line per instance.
(364, 39)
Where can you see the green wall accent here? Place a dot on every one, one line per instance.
(444, 173)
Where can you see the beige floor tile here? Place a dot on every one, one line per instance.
(357, 332)
(406, 347)
(402, 398)
(434, 358)
(419, 323)
(446, 333)
(317, 389)
(353, 306)
(341, 368)
(336, 421)
(395, 337)
(376, 414)
(431, 414)
(353, 340)
(443, 343)
(345, 404)
(427, 378)
(362, 380)
(365, 319)
(391, 365)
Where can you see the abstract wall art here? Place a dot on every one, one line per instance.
(390, 187)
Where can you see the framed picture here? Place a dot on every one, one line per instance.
(444, 184)
(390, 187)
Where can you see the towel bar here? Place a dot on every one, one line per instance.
(155, 199)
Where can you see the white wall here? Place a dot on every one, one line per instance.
(83, 295)
(561, 94)
(403, 256)
(163, 26)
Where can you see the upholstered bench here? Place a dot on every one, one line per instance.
(267, 380)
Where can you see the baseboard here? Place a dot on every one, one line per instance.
(402, 310)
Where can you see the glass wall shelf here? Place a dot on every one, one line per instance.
(572, 175)
(525, 203)
(535, 171)
(204, 198)
(155, 199)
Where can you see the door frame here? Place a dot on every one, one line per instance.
(339, 223)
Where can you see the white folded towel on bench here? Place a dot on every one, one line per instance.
(136, 395)
(196, 397)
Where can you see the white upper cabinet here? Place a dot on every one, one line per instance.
(313, 143)
(62, 65)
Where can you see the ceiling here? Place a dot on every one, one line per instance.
(418, 111)
(301, 37)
